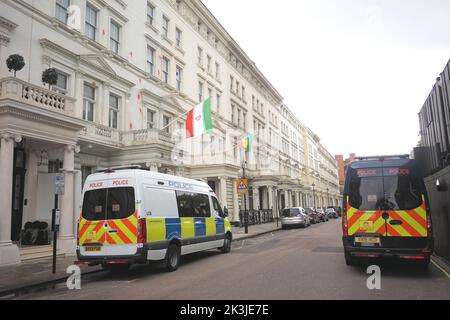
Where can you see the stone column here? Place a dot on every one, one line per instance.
(265, 204)
(223, 191)
(270, 204)
(235, 213)
(297, 199)
(9, 253)
(288, 198)
(66, 237)
(256, 204)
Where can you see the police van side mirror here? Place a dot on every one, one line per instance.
(225, 211)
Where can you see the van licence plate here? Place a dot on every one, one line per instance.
(367, 240)
(92, 249)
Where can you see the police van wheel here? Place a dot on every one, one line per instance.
(425, 263)
(348, 259)
(226, 245)
(172, 260)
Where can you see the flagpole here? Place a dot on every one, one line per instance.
(182, 115)
(174, 120)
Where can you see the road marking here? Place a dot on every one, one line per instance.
(440, 268)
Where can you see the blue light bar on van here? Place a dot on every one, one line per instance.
(382, 158)
(112, 169)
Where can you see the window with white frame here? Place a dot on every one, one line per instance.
(217, 71)
(114, 37)
(166, 123)
(151, 60)
(114, 103)
(213, 145)
(62, 13)
(151, 117)
(218, 97)
(150, 13)
(239, 117)
(62, 81)
(91, 22)
(232, 113)
(200, 56)
(165, 69)
(165, 26)
(179, 77)
(208, 64)
(178, 37)
(88, 102)
(200, 91)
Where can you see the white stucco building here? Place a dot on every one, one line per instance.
(128, 72)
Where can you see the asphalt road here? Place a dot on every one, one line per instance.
(287, 264)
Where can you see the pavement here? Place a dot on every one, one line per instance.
(37, 273)
(284, 264)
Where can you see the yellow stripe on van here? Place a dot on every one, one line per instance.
(210, 226)
(156, 230)
(187, 228)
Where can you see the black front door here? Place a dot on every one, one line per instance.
(18, 193)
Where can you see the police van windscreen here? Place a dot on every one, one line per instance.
(108, 204)
(385, 189)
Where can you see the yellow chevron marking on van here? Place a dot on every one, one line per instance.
(413, 223)
(130, 235)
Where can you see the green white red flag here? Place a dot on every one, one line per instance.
(199, 120)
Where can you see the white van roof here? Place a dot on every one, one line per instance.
(145, 174)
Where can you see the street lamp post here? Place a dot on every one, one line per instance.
(314, 194)
(244, 163)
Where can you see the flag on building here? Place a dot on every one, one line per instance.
(247, 142)
(199, 120)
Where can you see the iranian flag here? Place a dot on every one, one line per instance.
(199, 120)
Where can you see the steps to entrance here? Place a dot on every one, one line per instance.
(37, 252)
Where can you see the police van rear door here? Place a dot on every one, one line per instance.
(108, 218)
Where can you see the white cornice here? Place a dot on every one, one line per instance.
(7, 24)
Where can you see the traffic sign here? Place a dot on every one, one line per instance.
(60, 183)
(242, 185)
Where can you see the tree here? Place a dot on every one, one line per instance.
(50, 76)
(15, 62)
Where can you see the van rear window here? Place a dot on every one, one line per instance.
(108, 204)
(396, 191)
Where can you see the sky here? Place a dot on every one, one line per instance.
(356, 72)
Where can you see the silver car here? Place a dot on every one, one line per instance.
(291, 217)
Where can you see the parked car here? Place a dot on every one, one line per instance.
(322, 214)
(291, 217)
(337, 209)
(314, 217)
(332, 213)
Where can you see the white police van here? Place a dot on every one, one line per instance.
(130, 215)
